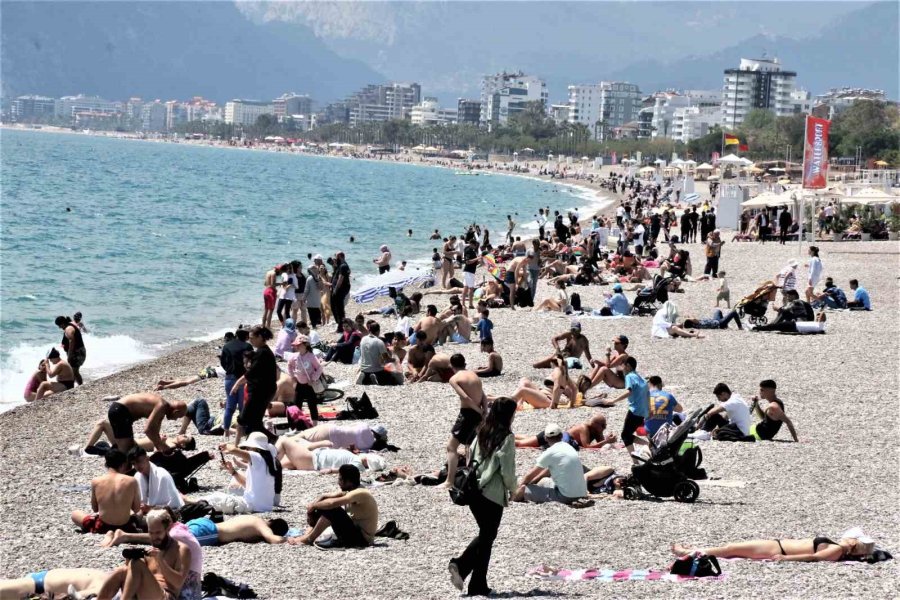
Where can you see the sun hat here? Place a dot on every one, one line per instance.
(552, 430)
(300, 339)
(793, 263)
(257, 440)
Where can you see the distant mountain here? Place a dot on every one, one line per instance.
(166, 50)
(858, 50)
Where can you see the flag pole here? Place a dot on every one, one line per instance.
(802, 186)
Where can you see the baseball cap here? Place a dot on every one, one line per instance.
(617, 287)
(552, 430)
(575, 325)
(379, 430)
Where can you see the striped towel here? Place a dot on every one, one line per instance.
(388, 280)
(608, 575)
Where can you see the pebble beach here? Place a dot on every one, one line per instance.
(839, 389)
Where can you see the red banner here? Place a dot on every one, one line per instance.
(815, 153)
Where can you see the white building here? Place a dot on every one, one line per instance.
(604, 106)
(69, 106)
(505, 94)
(757, 83)
(559, 113)
(670, 110)
(840, 99)
(428, 112)
(245, 112)
(383, 102)
(692, 122)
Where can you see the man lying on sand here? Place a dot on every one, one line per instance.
(55, 583)
(589, 434)
(241, 528)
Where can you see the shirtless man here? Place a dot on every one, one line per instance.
(611, 370)
(270, 295)
(56, 367)
(494, 368)
(115, 499)
(459, 322)
(472, 406)
(418, 358)
(241, 528)
(576, 344)
(589, 434)
(160, 574)
(557, 385)
(448, 256)
(296, 454)
(439, 370)
(125, 411)
(516, 277)
(429, 326)
(55, 583)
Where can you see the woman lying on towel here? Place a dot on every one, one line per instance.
(857, 546)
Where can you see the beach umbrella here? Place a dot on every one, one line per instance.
(756, 170)
(690, 163)
(647, 170)
(713, 177)
(870, 197)
(881, 163)
(493, 268)
(705, 167)
(776, 170)
(527, 149)
(659, 161)
(763, 200)
(731, 159)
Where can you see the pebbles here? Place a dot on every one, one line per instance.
(839, 390)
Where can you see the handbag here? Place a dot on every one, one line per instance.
(465, 484)
(696, 566)
(318, 386)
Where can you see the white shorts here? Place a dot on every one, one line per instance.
(469, 279)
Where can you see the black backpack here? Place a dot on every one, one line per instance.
(575, 301)
(696, 566)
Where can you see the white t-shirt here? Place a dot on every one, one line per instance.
(829, 211)
(160, 490)
(335, 458)
(660, 327)
(403, 325)
(738, 413)
(815, 270)
(565, 469)
(259, 491)
(620, 212)
(810, 327)
(314, 337)
(290, 292)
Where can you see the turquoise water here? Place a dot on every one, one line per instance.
(167, 243)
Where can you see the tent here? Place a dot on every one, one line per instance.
(871, 197)
(731, 159)
(647, 170)
(763, 200)
(705, 167)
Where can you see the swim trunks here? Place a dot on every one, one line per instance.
(466, 425)
(94, 524)
(204, 530)
(491, 373)
(69, 384)
(120, 419)
(38, 581)
(445, 374)
(269, 298)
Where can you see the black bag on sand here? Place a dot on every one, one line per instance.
(197, 510)
(465, 485)
(575, 301)
(358, 408)
(696, 566)
(215, 585)
(689, 463)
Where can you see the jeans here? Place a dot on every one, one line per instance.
(304, 391)
(712, 266)
(533, 281)
(198, 411)
(233, 400)
(725, 320)
(342, 352)
(477, 556)
(284, 309)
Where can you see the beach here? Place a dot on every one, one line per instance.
(838, 389)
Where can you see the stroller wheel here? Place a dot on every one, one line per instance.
(762, 321)
(631, 493)
(686, 491)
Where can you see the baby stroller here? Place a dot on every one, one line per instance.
(649, 299)
(662, 475)
(755, 305)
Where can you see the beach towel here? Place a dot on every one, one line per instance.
(610, 575)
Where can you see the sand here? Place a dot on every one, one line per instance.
(839, 389)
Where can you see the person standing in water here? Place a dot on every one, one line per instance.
(73, 344)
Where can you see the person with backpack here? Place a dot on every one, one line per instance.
(232, 360)
(494, 459)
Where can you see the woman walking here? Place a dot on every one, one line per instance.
(494, 451)
(73, 344)
(261, 381)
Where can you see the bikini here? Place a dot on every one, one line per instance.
(817, 541)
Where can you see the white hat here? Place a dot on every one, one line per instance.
(793, 263)
(257, 440)
(857, 533)
(375, 462)
(317, 257)
(552, 430)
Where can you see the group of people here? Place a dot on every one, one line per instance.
(57, 373)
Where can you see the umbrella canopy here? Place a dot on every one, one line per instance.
(527, 149)
(881, 163)
(731, 159)
(705, 167)
(677, 162)
(647, 170)
(756, 170)
(690, 163)
(746, 161)
(713, 177)
(762, 200)
(659, 161)
(870, 197)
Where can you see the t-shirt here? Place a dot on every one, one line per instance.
(335, 458)
(232, 357)
(862, 296)
(159, 488)
(565, 469)
(180, 533)
(371, 349)
(359, 435)
(343, 271)
(738, 413)
(259, 491)
(364, 511)
(661, 408)
(470, 254)
(283, 341)
(638, 394)
(618, 304)
(660, 327)
(815, 270)
(838, 295)
(485, 328)
(289, 292)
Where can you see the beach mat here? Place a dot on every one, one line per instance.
(610, 575)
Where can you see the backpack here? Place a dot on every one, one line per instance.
(689, 461)
(575, 301)
(696, 566)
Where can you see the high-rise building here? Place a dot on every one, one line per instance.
(504, 95)
(69, 106)
(292, 104)
(670, 109)
(427, 112)
(560, 113)
(837, 100)
(468, 112)
(153, 116)
(756, 83)
(246, 112)
(385, 102)
(28, 108)
(335, 112)
(604, 106)
(200, 109)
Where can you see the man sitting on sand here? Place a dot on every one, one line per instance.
(358, 436)
(352, 514)
(115, 499)
(589, 434)
(494, 368)
(157, 488)
(576, 345)
(610, 371)
(429, 326)
(772, 415)
(123, 412)
(560, 461)
(59, 369)
(557, 385)
(418, 357)
(296, 454)
(438, 370)
(734, 428)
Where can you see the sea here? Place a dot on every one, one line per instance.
(160, 245)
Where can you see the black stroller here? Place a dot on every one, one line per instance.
(662, 474)
(649, 299)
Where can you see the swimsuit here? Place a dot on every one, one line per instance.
(68, 384)
(204, 530)
(491, 373)
(120, 419)
(38, 581)
(466, 425)
(94, 524)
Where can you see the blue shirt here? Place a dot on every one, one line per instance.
(661, 408)
(638, 394)
(618, 304)
(485, 326)
(862, 296)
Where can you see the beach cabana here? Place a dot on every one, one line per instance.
(871, 197)
(763, 200)
(647, 170)
(705, 167)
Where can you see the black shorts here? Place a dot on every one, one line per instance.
(120, 419)
(632, 422)
(384, 269)
(69, 384)
(466, 426)
(348, 533)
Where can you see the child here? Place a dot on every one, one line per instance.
(485, 326)
(494, 367)
(724, 292)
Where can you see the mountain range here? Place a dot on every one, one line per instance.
(224, 50)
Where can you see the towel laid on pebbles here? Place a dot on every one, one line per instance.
(609, 575)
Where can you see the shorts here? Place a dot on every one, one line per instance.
(77, 358)
(491, 373)
(120, 419)
(204, 530)
(509, 278)
(538, 494)
(92, 523)
(469, 279)
(445, 374)
(68, 384)
(632, 422)
(269, 298)
(466, 426)
(38, 579)
(573, 363)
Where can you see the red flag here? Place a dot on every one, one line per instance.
(815, 153)
(743, 148)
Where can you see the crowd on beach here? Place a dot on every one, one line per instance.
(277, 414)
